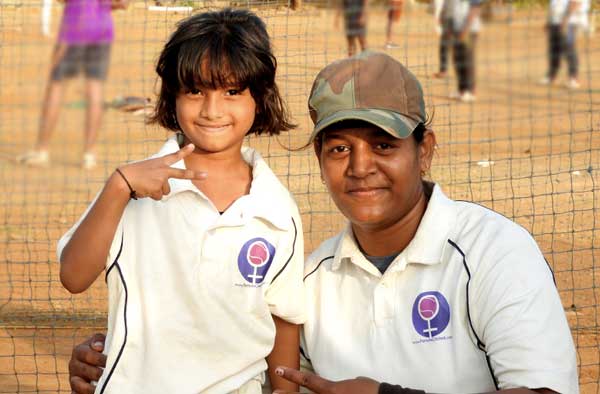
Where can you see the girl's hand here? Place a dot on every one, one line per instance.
(150, 178)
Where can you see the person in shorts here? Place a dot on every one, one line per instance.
(83, 46)
(355, 23)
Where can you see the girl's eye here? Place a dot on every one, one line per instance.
(194, 91)
(233, 92)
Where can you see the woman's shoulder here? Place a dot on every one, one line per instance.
(476, 215)
(324, 254)
(481, 231)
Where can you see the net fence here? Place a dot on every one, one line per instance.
(527, 150)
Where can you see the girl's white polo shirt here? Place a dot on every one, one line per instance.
(191, 292)
(469, 306)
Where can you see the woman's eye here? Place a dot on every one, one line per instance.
(194, 91)
(233, 92)
(339, 149)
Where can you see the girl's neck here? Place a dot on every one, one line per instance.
(229, 176)
(216, 162)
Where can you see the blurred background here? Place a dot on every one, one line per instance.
(515, 133)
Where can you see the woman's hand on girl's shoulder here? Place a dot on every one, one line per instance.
(150, 178)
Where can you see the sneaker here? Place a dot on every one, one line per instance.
(89, 161)
(547, 81)
(455, 95)
(467, 97)
(573, 83)
(34, 158)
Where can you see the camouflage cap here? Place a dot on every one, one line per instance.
(372, 87)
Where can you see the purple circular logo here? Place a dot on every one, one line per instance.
(430, 314)
(255, 259)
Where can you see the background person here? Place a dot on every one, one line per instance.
(466, 24)
(565, 19)
(84, 44)
(355, 23)
(394, 15)
(444, 29)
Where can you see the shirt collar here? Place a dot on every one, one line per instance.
(427, 246)
(268, 199)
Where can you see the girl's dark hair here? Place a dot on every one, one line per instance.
(215, 50)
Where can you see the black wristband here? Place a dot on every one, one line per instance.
(132, 193)
(386, 388)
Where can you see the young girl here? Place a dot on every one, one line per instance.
(205, 276)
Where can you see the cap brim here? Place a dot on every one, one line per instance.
(394, 123)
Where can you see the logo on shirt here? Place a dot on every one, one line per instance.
(430, 314)
(254, 260)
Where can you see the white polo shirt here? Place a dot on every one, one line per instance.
(579, 17)
(469, 306)
(458, 11)
(191, 292)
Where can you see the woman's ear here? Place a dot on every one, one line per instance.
(426, 150)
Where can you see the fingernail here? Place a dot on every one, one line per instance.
(279, 371)
(192, 145)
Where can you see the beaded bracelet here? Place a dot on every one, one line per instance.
(132, 194)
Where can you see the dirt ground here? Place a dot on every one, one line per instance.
(528, 151)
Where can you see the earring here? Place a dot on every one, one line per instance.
(180, 138)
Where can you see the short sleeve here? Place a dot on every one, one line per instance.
(518, 315)
(114, 247)
(285, 294)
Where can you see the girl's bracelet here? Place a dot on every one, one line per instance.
(132, 193)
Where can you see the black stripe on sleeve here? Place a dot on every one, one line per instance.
(116, 259)
(317, 267)
(480, 344)
(304, 354)
(293, 251)
(112, 370)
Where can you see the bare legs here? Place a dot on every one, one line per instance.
(94, 113)
(50, 112)
(362, 42)
(49, 117)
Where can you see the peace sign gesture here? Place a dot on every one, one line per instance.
(150, 178)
